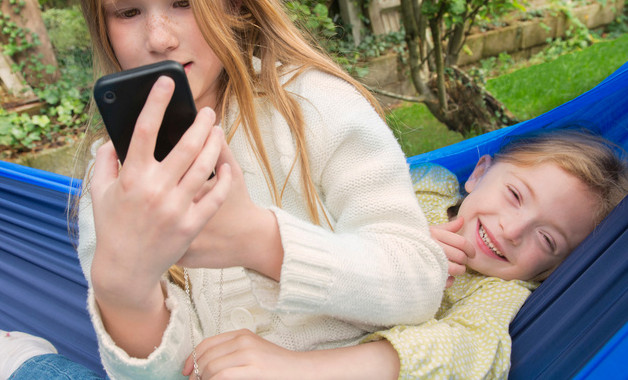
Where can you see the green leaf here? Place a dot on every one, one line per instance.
(457, 7)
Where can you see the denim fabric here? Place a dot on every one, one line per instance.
(53, 367)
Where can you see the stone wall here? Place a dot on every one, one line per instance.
(520, 40)
(527, 38)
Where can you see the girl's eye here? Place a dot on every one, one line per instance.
(515, 194)
(128, 13)
(549, 242)
(182, 4)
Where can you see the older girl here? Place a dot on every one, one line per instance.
(310, 249)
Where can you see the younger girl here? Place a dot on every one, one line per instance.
(527, 208)
(311, 250)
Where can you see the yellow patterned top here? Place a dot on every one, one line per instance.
(468, 338)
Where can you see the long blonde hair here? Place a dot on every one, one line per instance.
(595, 161)
(237, 31)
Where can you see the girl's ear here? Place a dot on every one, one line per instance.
(481, 168)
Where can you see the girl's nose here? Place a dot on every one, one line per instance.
(514, 228)
(161, 36)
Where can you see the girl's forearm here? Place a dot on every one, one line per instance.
(375, 360)
(264, 239)
(136, 328)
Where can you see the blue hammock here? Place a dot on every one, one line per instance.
(573, 325)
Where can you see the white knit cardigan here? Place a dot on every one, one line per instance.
(377, 268)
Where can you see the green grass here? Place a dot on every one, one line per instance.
(533, 90)
(527, 92)
(418, 131)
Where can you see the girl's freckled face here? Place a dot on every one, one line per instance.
(147, 31)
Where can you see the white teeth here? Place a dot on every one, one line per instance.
(488, 242)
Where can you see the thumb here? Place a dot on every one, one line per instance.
(105, 166)
(226, 156)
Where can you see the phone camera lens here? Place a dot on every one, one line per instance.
(109, 97)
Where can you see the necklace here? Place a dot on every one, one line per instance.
(192, 309)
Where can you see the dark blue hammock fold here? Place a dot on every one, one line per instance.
(42, 288)
(574, 324)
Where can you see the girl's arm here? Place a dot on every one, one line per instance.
(471, 340)
(377, 263)
(244, 355)
(145, 216)
(374, 263)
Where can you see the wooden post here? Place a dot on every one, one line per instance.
(29, 18)
(14, 81)
(351, 16)
(385, 16)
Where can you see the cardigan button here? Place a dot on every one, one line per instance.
(242, 318)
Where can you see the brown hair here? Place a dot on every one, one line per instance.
(590, 158)
(237, 31)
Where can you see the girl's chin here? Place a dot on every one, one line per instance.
(481, 268)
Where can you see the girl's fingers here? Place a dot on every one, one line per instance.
(210, 349)
(209, 204)
(144, 139)
(203, 164)
(450, 281)
(191, 144)
(451, 226)
(455, 255)
(446, 236)
(226, 157)
(455, 269)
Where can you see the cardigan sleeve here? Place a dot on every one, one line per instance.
(470, 341)
(376, 264)
(167, 360)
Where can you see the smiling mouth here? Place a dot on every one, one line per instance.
(489, 243)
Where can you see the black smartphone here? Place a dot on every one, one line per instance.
(121, 96)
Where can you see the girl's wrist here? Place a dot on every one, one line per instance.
(112, 282)
(136, 328)
(376, 360)
(265, 245)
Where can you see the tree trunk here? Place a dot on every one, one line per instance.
(471, 107)
(29, 18)
(453, 97)
(409, 8)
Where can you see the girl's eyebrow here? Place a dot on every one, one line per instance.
(114, 3)
(110, 4)
(526, 185)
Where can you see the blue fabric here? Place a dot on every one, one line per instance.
(601, 109)
(610, 362)
(53, 367)
(42, 288)
(43, 291)
(579, 308)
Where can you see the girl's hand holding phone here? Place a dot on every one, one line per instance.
(146, 215)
